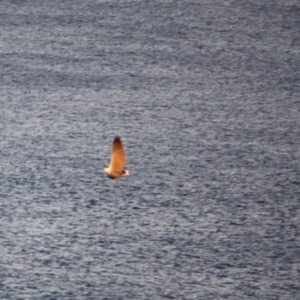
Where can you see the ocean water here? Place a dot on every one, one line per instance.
(205, 96)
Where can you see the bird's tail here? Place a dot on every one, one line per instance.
(125, 172)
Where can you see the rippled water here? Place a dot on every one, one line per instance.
(205, 95)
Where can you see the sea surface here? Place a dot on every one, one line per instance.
(206, 98)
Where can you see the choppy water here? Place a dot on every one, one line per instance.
(205, 95)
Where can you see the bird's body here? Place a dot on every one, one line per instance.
(117, 161)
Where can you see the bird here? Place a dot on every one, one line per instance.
(117, 160)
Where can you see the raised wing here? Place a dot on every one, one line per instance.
(117, 160)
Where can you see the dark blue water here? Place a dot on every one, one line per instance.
(205, 95)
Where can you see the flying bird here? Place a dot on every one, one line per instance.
(117, 161)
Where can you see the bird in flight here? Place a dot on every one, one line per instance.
(117, 160)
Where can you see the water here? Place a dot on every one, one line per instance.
(205, 96)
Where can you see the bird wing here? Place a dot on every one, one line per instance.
(117, 160)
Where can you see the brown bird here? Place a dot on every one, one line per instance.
(117, 161)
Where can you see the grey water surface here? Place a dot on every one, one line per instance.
(206, 98)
